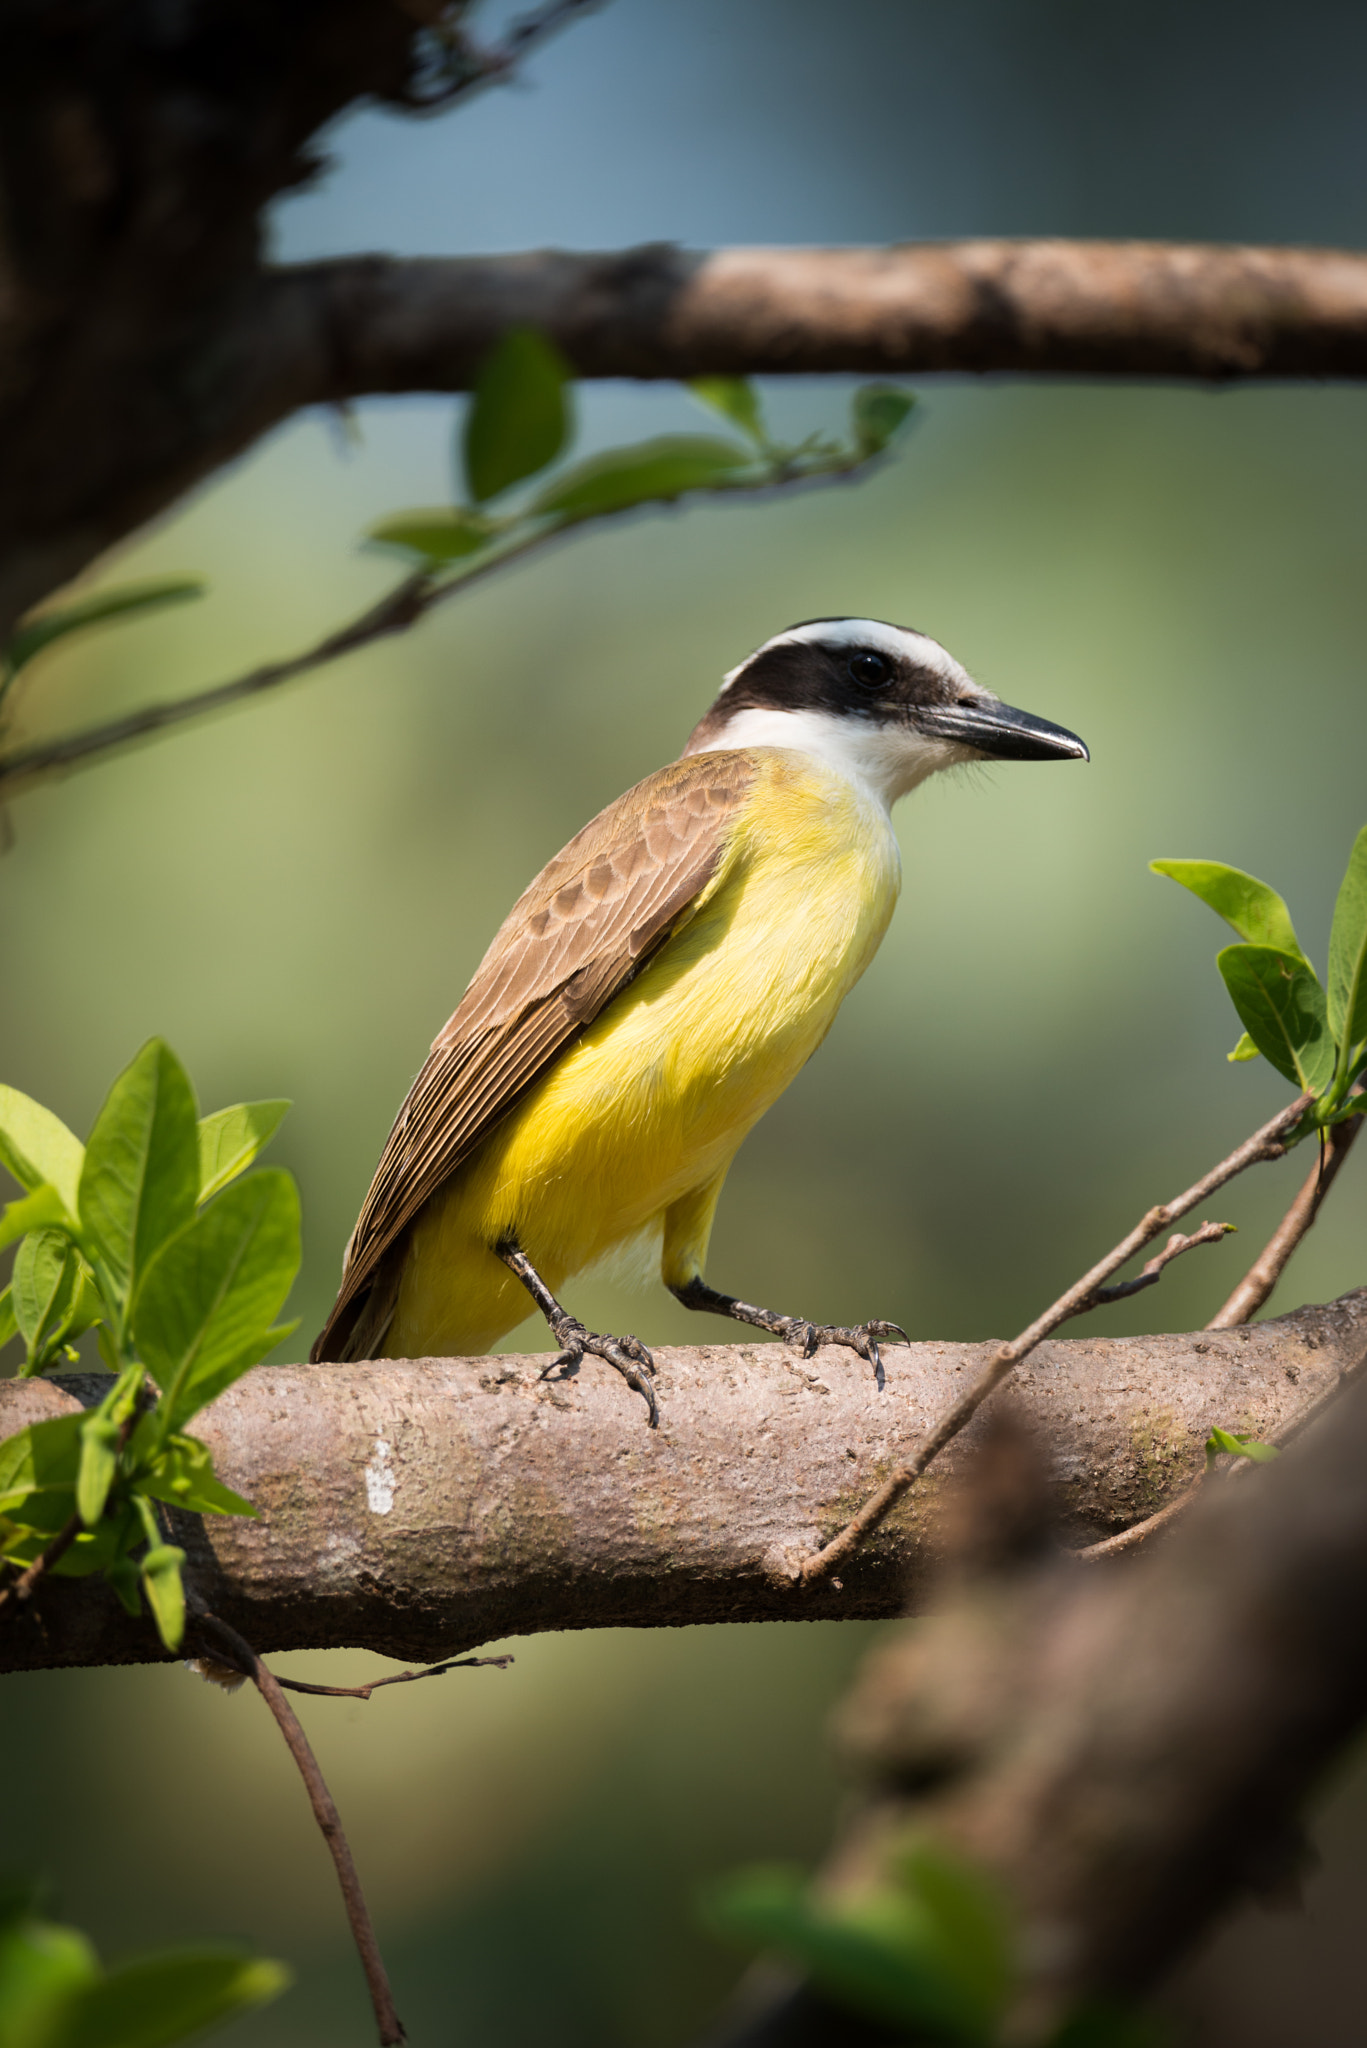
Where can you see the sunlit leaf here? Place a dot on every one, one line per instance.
(128, 601)
(736, 399)
(1282, 1007)
(40, 1967)
(230, 1140)
(32, 1212)
(140, 1181)
(99, 1463)
(1244, 1050)
(1238, 1446)
(42, 1458)
(657, 471)
(201, 1315)
(181, 1473)
(445, 534)
(9, 1326)
(165, 1590)
(1257, 913)
(45, 1287)
(37, 1147)
(1348, 950)
(519, 417)
(877, 412)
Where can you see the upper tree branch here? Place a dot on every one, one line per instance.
(420, 1507)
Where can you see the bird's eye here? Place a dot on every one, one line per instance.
(871, 670)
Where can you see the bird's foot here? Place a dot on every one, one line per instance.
(627, 1354)
(861, 1337)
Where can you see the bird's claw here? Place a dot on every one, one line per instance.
(860, 1337)
(628, 1355)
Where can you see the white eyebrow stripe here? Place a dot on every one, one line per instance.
(896, 641)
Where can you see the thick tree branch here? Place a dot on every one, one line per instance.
(326, 332)
(419, 1508)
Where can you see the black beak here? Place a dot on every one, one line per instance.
(1001, 732)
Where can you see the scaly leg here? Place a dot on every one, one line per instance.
(627, 1354)
(860, 1337)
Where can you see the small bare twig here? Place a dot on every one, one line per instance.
(465, 68)
(1271, 1262)
(363, 1692)
(1209, 1233)
(325, 1813)
(22, 1587)
(1266, 1143)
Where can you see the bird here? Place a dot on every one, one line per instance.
(651, 994)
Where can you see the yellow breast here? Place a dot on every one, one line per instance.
(652, 1102)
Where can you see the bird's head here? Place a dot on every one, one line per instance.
(882, 702)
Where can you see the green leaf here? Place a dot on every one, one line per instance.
(201, 1314)
(1281, 1005)
(9, 1325)
(1257, 913)
(32, 1212)
(181, 1473)
(518, 420)
(657, 471)
(445, 534)
(141, 1176)
(41, 1459)
(165, 1592)
(230, 1139)
(44, 1289)
(99, 1463)
(736, 399)
(1238, 1446)
(126, 601)
(159, 2000)
(1348, 952)
(877, 411)
(885, 1954)
(1244, 1050)
(37, 1147)
(40, 1967)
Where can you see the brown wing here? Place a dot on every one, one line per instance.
(577, 936)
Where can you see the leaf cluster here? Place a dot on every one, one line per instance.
(520, 422)
(1315, 1035)
(155, 1235)
(54, 1994)
(930, 1950)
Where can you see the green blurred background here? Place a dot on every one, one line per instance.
(295, 895)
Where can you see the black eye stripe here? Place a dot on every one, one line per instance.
(870, 671)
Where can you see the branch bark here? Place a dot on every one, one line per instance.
(420, 1508)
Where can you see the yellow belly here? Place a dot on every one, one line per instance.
(633, 1128)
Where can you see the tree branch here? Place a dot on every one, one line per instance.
(421, 1508)
(1271, 1262)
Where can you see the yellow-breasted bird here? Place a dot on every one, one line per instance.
(652, 993)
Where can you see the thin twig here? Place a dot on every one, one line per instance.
(495, 63)
(363, 1692)
(400, 608)
(1209, 1233)
(327, 1817)
(22, 1587)
(1271, 1262)
(1265, 1143)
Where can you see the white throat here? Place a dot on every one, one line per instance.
(883, 761)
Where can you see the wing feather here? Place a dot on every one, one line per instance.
(571, 942)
